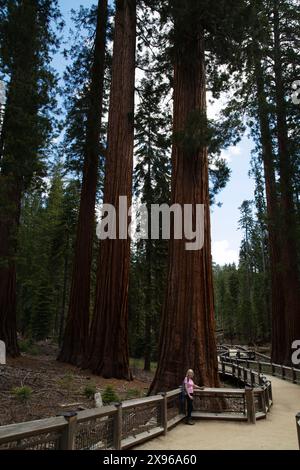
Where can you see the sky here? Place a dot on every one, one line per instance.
(226, 237)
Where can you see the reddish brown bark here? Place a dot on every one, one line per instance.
(187, 337)
(108, 352)
(74, 346)
(273, 220)
(10, 197)
(288, 221)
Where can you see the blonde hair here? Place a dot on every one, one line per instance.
(189, 371)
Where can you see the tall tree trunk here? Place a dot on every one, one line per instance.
(10, 201)
(288, 223)
(108, 352)
(64, 294)
(277, 291)
(13, 170)
(149, 269)
(148, 304)
(74, 346)
(187, 338)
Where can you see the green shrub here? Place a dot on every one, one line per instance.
(22, 393)
(133, 393)
(27, 346)
(90, 390)
(109, 395)
(66, 381)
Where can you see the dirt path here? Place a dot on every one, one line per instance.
(277, 432)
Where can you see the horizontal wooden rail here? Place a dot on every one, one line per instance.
(16, 432)
(96, 413)
(283, 372)
(141, 401)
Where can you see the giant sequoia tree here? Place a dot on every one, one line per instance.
(76, 333)
(27, 41)
(187, 331)
(108, 348)
(268, 59)
(288, 221)
(271, 66)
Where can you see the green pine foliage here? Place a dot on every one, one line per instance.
(44, 267)
(242, 296)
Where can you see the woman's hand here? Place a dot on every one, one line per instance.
(191, 398)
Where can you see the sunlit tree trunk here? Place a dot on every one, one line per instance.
(288, 221)
(187, 338)
(108, 351)
(273, 221)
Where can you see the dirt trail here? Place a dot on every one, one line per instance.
(276, 432)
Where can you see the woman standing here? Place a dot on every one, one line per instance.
(189, 387)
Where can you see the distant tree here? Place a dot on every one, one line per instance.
(152, 186)
(27, 128)
(74, 347)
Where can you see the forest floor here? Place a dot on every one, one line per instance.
(276, 432)
(56, 387)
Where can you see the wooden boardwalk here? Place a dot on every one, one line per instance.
(276, 432)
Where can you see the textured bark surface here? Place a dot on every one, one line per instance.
(273, 219)
(10, 199)
(108, 352)
(187, 338)
(288, 222)
(74, 346)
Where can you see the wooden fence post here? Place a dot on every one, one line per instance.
(118, 427)
(67, 439)
(223, 368)
(298, 427)
(282, 372)
(267, 398)
(239, 372)
(270, 391)
(250, 404)
(245, 375)
(252, 375)
(294, 375)
(259, 368)
(263, 402)
(273, 369)
(164, 413)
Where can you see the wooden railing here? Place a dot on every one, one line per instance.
(132, 422)
(298, 427)
(290, 374)
(253, 380)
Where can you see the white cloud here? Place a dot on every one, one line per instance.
(214, 107)
(235, 151)
(231, 152)
(223, 254)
